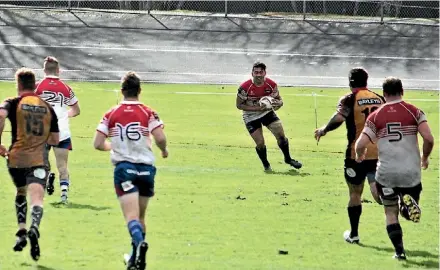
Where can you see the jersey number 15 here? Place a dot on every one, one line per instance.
(369, 110)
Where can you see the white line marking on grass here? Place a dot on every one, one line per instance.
(213, 51)
(218, 74)
(287, 94)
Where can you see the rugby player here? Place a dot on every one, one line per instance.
(129, 126)
(58, 94)
(354, 109)
(255, 116)
(33, 125)
(394, 128)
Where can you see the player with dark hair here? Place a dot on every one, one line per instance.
(394, 128)
(255, 115)
(128, 126)
(58, 94)
(354, 109)
(33, 125)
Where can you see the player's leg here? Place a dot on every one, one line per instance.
(141, 262)
(145, 184)
(275, 126)
(61, 155)
(390, 199)
(51, 177)
(125, 174)
(370, 171)
(256, 132)
(409, 205)
(19, 178)
(130, 259)
(36, 179)
(355, 182)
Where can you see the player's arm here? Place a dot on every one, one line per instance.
(73, 103)
(74, 110)
(278, 100)
(240, 102)
(54, 135)
(334, 122)
(361, 146)
(343, 110)
(241, 105)
(428, 143)
(155, 125)
(100, 142)
(4, 110)
(160, 140)
(368, 135)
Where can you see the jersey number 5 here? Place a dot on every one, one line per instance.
(369, 110)
(34, 124)
(392, 129)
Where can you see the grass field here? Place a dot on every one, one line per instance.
(215, 208)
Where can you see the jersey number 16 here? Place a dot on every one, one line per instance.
(130, 131)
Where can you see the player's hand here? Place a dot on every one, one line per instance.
(3, 151)
(320, 132)
(277, 104)
(165, 153)
(425, 163)
(264, 108)
(361, 158)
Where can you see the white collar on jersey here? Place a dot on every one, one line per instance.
(52, 77)
(130, 102)
(394, 101)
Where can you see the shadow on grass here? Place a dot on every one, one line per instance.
(430, 262)
(291, 172)
(79, 206)
(37, 267)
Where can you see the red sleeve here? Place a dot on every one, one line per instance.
(272, 83)
(242, 90)
(38, 90)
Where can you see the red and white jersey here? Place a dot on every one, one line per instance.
(395, 127)
(129, 126)
(251, 93)
(58, 94)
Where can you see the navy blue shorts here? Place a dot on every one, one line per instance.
(131, 177)
(64, 144)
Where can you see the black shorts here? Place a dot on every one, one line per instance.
(266, 120)
(390, 196)
(25, 176)
(355, 173)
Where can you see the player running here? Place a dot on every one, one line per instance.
(58, 94)
(33, 125)
(129, 126)
(255, 116)
(394, 128)
(354, 109)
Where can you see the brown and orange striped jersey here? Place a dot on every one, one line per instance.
(355, 107)
(32, 120)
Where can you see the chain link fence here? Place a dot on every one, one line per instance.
(425, 12)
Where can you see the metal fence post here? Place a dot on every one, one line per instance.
(69, 5)
(226, 8)
(149, 4)
(304, 9)
(381, 13)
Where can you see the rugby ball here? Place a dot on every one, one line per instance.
(266, 101)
